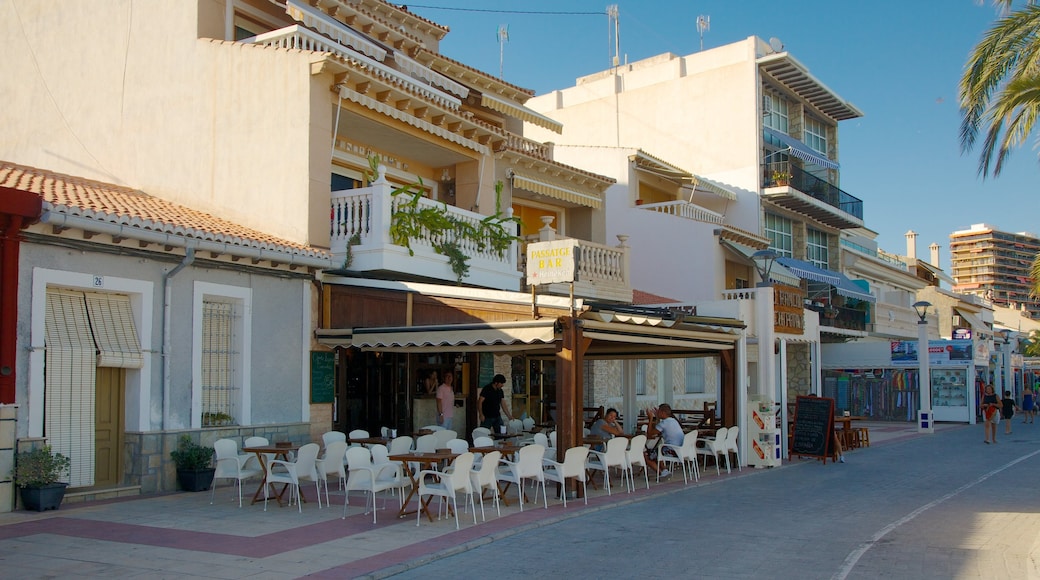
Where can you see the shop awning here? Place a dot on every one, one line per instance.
(778, 273)
(435, 338)
(842, 284)
(976, 323)
(556, 191)
(800, 150)
(521, 112)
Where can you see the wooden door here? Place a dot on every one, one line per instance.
(108, 426)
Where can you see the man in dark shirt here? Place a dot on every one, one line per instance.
(491, 404)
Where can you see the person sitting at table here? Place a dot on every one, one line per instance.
(606, 427)
(491, 404)
(664, 425)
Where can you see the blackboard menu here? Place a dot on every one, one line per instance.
(813, 427)
(323, 376)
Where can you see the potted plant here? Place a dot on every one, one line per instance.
(781, 178)
(193, 461)
(37, 473)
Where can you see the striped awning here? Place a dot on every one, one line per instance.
(842, 284)
(556, 191)
(800, 150)
(489, 337)
(521, 112)
(705, 184)
(777, 273)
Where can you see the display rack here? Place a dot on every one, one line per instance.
(764, 445)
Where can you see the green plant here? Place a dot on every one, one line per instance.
(411, 221)
(351, 242)
(40, 467)
(190, 455)
(781, 177)
(217, 419)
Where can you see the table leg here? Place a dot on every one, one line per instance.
(263, 479)
(415, 489)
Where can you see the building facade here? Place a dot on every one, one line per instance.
(995, 265)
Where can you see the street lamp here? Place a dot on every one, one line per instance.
(924, 415)
(1005, 334)
(764, 264)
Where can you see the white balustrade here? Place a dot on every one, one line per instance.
(685, 209)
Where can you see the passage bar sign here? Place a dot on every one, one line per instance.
(551, 262)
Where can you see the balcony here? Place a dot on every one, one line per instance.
(790, 187)
(840, 317)
(363, 216)
(686, 210)
(601, 271)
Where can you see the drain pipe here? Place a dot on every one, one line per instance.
(189, 257)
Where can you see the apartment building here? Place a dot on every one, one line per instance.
(995, 265)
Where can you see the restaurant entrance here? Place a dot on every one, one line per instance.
(372, 392)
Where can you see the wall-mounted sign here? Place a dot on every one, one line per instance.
(940, 352)
(552, 262)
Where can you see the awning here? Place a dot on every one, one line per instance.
(842, 284)
(778, 273)
(556, 191)
(937, 272)
(800, 150)
(975, 322)
(706, 184)
(643, 161)
(491, 336)
(521, 112)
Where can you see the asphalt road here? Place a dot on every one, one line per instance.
(942, 506)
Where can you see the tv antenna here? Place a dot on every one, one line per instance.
(613, 18)
(703, 25)
(503, 38)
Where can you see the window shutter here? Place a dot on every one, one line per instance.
(112, 322)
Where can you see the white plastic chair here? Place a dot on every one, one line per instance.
(433, 428)
(230, 464)
(515, 427)
(357, 434)
(448, 485)
(573, 467)
(292, 472)
(683, 455)
(528, 423)
(443, 436)
(257, 441)
(363, 476)
(486, 441)
(332, 463)
(484, 477)
(332, 436)
(481, 432)
(731, 446)
(552, 439)
(715, 447)
(615, 456)
(458, 446)
(635, 458)
(402, 444)
(528, 465)
(426, 444)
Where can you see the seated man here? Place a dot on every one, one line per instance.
(606, 428)
(663, 425)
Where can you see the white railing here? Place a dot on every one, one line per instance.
(367, 213)
(685, 209)
(302, 38)
(602, 263)
(741, 294)
(334, 29)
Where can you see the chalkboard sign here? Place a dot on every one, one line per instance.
(486, 372)
(323, 377)
(813, 427)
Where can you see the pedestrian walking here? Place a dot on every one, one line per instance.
(1028, 405)
(1008, 408)
(990, 414)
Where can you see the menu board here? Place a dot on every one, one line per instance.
(486, 371)
(323, 377)
(813, 427)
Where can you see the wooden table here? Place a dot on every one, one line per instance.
(370, 440)
(507, 449)
(279, 452)
(849, 440)
(425, 461)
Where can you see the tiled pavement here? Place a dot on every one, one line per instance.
(182, 535)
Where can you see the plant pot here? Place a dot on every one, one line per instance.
(195, 479)
(47, 497)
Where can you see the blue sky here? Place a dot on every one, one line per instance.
(898, 61)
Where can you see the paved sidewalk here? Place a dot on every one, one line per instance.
(183, 535)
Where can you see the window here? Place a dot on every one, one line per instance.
(695, 377)
(816, 248)
(774, 111)
(778, 230)
(343, 182)
(219, 361)
(816, 135)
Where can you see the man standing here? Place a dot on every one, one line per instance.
(491, 404)
(446, 401)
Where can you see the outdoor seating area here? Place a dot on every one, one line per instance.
(510, 472)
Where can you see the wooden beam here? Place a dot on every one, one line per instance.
(570, 352)
(362, 87)
(117, 239)
(420, 112)
(383, 96)
(403, 104)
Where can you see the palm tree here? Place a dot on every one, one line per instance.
(1000, 88)
(1031, 345)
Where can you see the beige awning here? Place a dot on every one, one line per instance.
(521, 112)
(556, 191)
(491, 337)
(705, 184)
(977, 325)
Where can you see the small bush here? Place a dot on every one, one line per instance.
(40, 467)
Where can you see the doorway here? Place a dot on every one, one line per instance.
(109, 405)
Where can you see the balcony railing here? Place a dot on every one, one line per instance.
(364, 215)
(783, 173)
(874, 253)
(840, 317)
(601, 270)
(685, 209)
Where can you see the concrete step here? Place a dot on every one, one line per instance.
(98, 494)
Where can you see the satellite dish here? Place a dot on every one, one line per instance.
(776, 45)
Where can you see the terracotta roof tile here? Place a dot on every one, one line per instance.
(640, 297)
(122, 205)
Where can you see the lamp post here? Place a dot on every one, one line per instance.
(763, 264)
(1005, 334)
(765, 320)
(924, 415)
